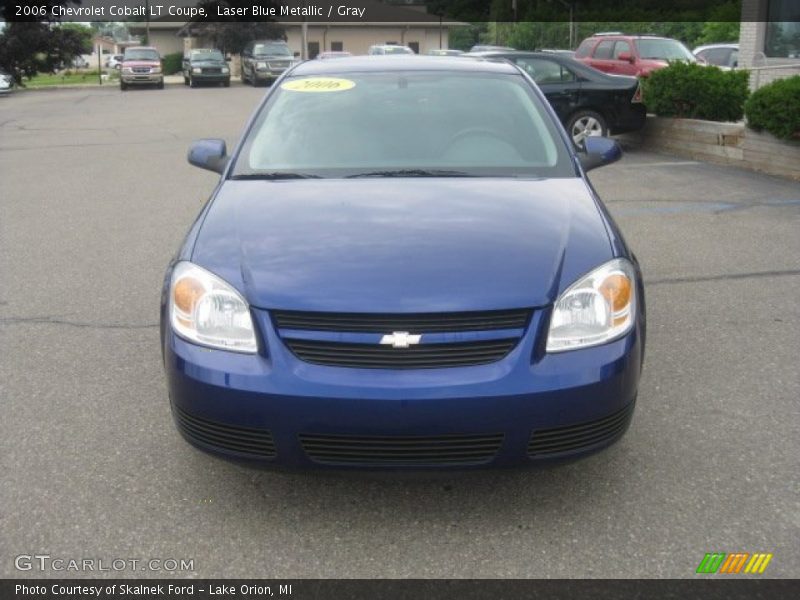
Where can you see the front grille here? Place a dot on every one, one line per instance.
(419, 323)
(212, 70)
(573, 438)
(280, 64)
(244, 441)
(141, 70)
(400, 451)
(424, 356)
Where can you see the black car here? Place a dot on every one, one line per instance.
(206, 66)
(587, 101)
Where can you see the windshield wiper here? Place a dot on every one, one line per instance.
(276, 175)
(412, 173)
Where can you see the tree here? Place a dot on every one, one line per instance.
(230, 34)
(28, 47)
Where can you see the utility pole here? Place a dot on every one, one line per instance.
(304, 34)
(147, 22)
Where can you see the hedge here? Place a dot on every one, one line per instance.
(776, 108)
(694, 91)
(172, 63)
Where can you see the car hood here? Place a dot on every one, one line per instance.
(402, 245)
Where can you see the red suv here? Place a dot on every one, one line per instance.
(637, 55)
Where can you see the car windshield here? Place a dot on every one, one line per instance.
(664, 50)
(404, 123)
(142, 54)
(207, 55)
(271, 50)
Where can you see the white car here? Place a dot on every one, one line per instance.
(725, 56)
(6, 82)
(389, 49)
(114, 62)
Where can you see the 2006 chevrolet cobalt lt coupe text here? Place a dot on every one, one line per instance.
(403, 266)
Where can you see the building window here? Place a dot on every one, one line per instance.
(783, 29)
(337, 46)
(313, 49)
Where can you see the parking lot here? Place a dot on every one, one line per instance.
(95, 197)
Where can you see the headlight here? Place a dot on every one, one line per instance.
(596, 309)
(261, 65)
(206, 310)
(127, 70)
(197, 70)
(155, 70)
(225, 69)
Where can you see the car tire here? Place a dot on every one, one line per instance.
(226, 83)
(586, 123)
(160, 85)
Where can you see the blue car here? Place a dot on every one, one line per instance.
(403, 266)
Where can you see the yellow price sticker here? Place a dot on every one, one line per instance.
(318, 84)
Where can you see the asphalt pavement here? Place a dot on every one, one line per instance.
(96, 195)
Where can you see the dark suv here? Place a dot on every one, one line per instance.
(263, 61)
(204, 65)
(637, 55)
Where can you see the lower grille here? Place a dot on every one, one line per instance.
(244, 441)
(392, 450)
(573, 438)
(424, 356)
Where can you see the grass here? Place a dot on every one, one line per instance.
(67, 78)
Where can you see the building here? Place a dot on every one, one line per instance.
(769, 40)
(405, 25)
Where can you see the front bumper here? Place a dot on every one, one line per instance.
(278, 410)
(210, 77)
(142, 78)
(268, 74)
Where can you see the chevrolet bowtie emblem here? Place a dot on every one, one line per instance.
(400, 339)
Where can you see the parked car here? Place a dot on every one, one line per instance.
(6, 82)
(587, 101)
(381, 49)
(333, 54)
(206, 65)
(141, 65)
(637, 55)
(459, 297)
(490, 48)
(444, 52)
(115, 61)
(263, 61)
(567, 53)
(725, 56)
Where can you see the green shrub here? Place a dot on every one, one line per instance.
(172, 63)
(776, 108)
(696, 91)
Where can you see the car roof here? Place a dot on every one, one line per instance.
(399, 62)
(141, 48)
(710, 46)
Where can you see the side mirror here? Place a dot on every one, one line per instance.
(598, 152)
(211, 154)
(626, 56)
